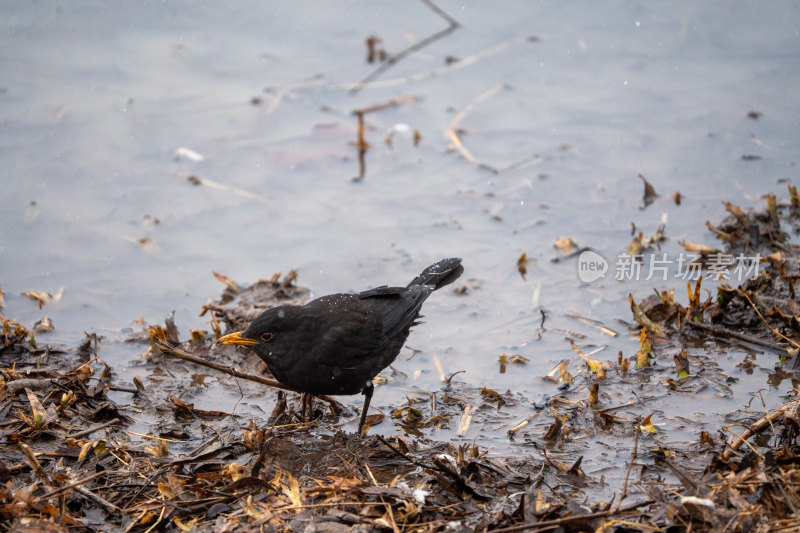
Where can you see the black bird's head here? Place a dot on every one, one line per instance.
(271, 332)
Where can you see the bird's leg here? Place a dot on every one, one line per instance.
(307, 401)
(369, 388)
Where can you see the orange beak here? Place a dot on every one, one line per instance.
(236, 338)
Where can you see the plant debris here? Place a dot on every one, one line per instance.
(75, 454)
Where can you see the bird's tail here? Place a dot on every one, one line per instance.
(440, 274)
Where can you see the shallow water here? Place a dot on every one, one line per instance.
(103, 109)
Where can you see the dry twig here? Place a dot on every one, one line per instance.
(757, 426)
(722, 332)
(186, 356)
(572, 518)
(452, 26)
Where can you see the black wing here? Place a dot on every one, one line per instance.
(396, 308)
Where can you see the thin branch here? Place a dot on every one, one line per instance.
(723, 332)
(450, 67)
(72, 485)
(757, 426)
(633, 460)
(397, 102)
(91, 430)
(389, 63)
(361, 142)
(98, 499)
(186, 356)
(412, 460)
(571, 518)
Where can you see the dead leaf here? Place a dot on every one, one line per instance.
(733, 209)
(565, 245)
(518, 360)
(159, 450)
(522, 263)
(234, 470)
(636, 247)
(44, 297)
(682, 364)
(593, 364)
(232, 285)
(649, 192)
(648, 426)
(293, 491)
(642, 318)
(43, 325)
(554, 431)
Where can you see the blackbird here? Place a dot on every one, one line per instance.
(337, 343)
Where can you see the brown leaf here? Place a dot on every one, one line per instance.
(649, 192)
(292, 490)
(733, 209)
(636, 247)
(682, 364)
(229, 283)
(565, 245)
(41, 297)
(372, 420)
(522, 263)
(554, 431)
(43, 325)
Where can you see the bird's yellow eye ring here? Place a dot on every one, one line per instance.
(266, 337)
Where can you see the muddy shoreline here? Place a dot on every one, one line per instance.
(69, 459)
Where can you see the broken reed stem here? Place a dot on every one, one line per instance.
(186, 356)
(93, 429)
(594, 323)
(633, 460)
(72, 485)
(361, 142)
(520, 425)
(758, 426)
(397, 102)
(329, 504)
(452, 134)
(98, 499)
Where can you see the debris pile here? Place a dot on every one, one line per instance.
(71, 457)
